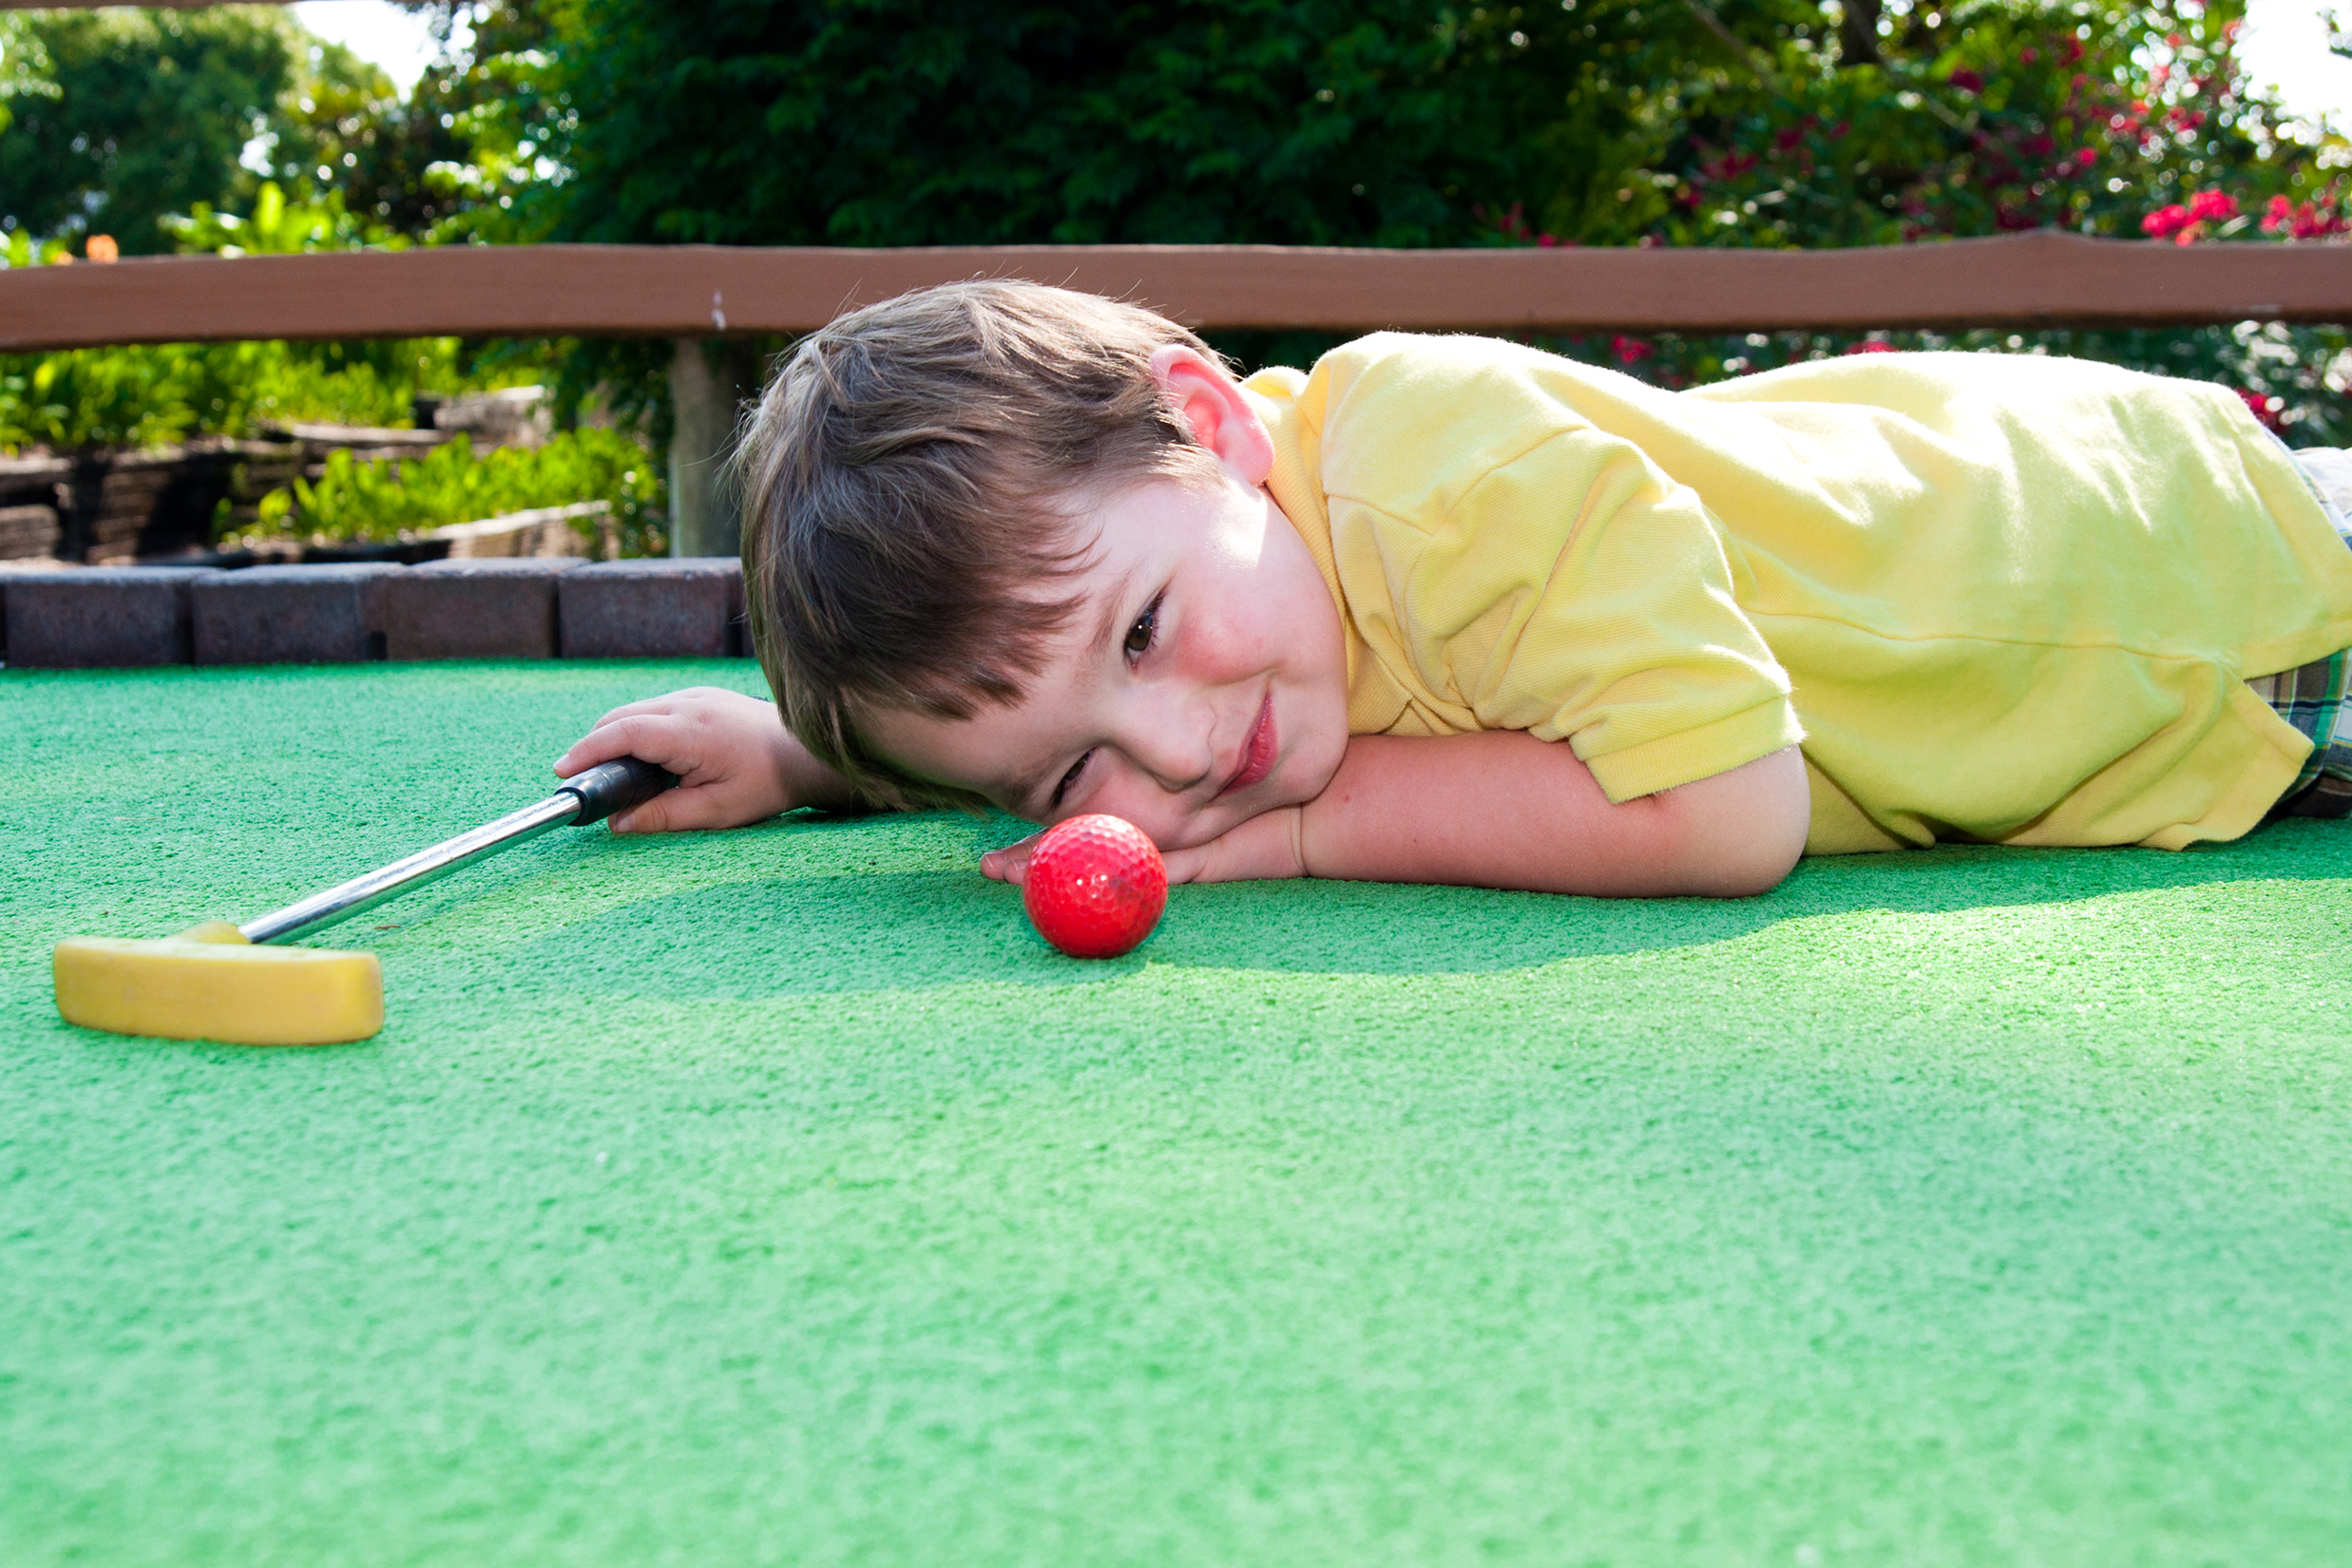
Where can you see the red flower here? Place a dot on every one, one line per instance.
(2167, 222)
(2268, 410)
(2214, 206)
(1967, 80)
(2302, 222)
(1871, 345)
(1630, 351)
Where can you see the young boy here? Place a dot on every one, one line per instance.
(1448, 609)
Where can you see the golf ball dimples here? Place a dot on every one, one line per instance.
(1095, 886)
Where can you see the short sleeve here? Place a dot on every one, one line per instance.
(1535, 573)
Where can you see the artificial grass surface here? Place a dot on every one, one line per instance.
(779, 1198)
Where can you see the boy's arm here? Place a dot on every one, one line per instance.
(1504, 810)
(734, 760)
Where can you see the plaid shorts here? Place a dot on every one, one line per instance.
(2313, 697)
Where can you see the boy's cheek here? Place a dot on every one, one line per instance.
(1170, 828)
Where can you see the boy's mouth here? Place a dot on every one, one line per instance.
(1258, 756)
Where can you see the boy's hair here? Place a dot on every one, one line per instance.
(905, 483)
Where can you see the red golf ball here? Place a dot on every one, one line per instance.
(1096, 887)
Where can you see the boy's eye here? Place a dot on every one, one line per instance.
(1139, 634)
(1069, 778)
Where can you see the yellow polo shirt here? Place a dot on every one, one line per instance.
(1997, 597)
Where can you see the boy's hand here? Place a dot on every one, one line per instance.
(736, 762)
(1264, 847)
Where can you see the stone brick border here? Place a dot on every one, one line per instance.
(686, 608)
(526, 607)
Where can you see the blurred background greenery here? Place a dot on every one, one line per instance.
(1388, 122)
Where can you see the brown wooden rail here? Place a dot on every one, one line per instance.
(685, 291)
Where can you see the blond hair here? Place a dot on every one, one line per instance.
(905, 479)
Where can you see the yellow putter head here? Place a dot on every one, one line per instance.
(210, 984)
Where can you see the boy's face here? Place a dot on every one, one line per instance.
(1201, 681)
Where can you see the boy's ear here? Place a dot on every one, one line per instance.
(1212, 404)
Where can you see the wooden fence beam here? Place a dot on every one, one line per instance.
(2042, 279)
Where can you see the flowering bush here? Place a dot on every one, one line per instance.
(1976, 119)
(2307, 219)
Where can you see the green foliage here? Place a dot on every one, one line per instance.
(277, 227)
(149, 396)
(1378, 122)
(387, 499)
(899, 122)
(20, 249)
(120, 117)
(113, 122)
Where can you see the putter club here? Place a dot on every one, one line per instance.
(242, 984)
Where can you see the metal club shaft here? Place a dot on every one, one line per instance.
(587, 796)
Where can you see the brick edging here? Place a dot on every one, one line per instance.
(524, 607)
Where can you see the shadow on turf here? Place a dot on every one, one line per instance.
(916, 929)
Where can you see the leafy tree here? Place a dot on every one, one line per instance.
(118, 118)
(906, 121)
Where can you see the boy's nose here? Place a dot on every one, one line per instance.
(1173, 740)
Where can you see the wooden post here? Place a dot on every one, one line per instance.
(710, 380)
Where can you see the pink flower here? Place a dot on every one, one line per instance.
(2303, 222)
(2165, 221)
(1967, 80)
(1630, 351)
(2266, 408)
(2212, 207)
(1871, 345)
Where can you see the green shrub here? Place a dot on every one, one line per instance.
(385, 499)
(152, 394)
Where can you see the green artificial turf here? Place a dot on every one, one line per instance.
(777, 1198)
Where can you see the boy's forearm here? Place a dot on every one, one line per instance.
(1504, 810)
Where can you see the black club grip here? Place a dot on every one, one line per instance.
(614, 786)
